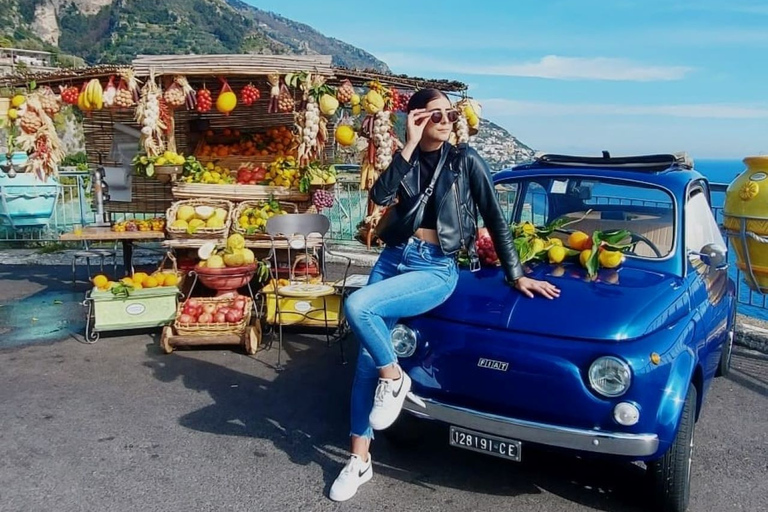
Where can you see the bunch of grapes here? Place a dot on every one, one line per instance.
(204, 100)
(123, 98)
(344, 92)
(70, 94)
(250, 94)
(399, 100)
(322, 199)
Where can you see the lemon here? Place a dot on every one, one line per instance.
(13, 114)
(150, 282)
(610, 259)
(345, 135)
(235, 241)
(171, 280)
(18, 100)
(556, 241)
(226, 102)
(556, 254)
(140, 277)
(161, 161)
(584, 257)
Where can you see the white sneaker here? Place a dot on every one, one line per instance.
(354, 474)
(388, 402)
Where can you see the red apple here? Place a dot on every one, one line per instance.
(186, 319)
(205, 318)
(234, 317)
(220, 318)
(209, 308)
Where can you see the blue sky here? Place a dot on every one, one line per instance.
(580, 76)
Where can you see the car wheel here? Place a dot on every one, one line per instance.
(407, 431)
(724, 367)
(671, 474)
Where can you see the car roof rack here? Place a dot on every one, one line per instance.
(648, 163)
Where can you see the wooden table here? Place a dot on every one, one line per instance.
(105, 234)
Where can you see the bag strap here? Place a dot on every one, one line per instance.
(431, 187)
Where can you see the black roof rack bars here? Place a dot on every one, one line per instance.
(651, 163)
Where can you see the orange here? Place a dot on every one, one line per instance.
(579, 240)
(100, 282)
(150, 282)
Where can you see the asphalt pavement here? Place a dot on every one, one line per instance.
(119, 426)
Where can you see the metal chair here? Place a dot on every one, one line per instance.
(86, 253)
(300, 233)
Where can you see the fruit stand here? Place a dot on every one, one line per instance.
(226, 142)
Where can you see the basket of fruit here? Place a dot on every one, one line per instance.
(229, 268)
(199, 218)
(211, 316)
(250, 217)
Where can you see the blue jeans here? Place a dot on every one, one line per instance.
(407, 280)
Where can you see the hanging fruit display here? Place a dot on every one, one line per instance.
(227, 100)
(377, 127)
(204, 100)
(38, 137)
(250, 94)
(110, 93)
(311, 125)
(174, 95)
(128, 77)
(124, 96)
(49, 101)
(69, 94)
(91, 96)
(153, 116)
(345, 92)
(460, 128)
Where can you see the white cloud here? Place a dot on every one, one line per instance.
(503, 107)
(552, 67)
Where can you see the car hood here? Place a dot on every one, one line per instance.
(620, 304)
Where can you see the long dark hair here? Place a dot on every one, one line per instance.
(421, 97)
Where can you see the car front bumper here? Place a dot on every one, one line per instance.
(594, 441)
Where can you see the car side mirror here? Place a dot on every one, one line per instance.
(715, 256)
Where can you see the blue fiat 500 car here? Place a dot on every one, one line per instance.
(619, 366)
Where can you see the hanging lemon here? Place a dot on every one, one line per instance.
(345, 135)
(18, 100)
(226, 102)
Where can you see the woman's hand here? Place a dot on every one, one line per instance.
(417, 120)
(528, 287)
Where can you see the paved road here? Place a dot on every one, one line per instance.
(120, 426)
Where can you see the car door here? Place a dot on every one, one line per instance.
(709, 286)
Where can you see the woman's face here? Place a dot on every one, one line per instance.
(440, 130)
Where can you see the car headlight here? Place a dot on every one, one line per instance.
(610, 376)
(403, 340)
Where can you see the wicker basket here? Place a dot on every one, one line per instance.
(241, 207)
(203, 232)
(237, 329)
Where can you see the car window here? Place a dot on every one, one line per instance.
(590, 204)
(700, 225)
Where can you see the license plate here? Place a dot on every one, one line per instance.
(485, 443)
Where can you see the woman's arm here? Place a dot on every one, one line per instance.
(485, 198)
(385, 188)
(498, 227)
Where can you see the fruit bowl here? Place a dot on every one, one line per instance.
(226, 280)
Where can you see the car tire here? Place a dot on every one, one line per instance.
(407, 431)
(724, 366)
(671, 474)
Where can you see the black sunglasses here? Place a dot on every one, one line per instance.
(437, 116)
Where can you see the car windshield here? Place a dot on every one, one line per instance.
(594, 203)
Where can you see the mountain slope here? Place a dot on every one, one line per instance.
(499, 147)
(115, 31)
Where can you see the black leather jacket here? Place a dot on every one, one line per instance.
(463, 188)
